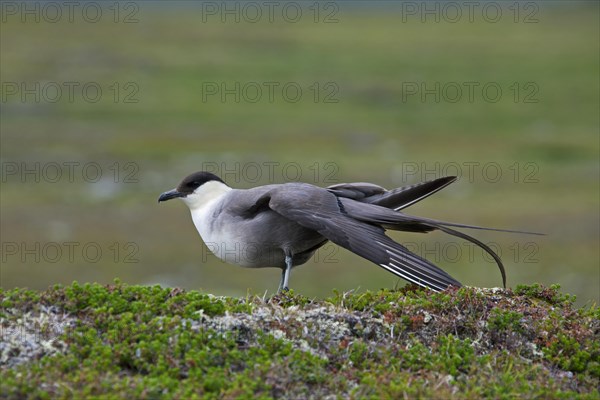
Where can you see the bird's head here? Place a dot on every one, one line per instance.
(197, 189)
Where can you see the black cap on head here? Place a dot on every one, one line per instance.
(195, 180)
(189, 184)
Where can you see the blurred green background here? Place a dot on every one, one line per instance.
(369, 110)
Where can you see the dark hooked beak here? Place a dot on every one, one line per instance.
(171, 194)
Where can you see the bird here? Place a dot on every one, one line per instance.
(283, 225)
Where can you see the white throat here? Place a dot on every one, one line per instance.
(205, 195)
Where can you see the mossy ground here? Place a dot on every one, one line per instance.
(121, 341)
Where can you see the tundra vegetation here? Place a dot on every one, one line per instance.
(150, 342)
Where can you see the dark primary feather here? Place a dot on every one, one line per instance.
(396, 199)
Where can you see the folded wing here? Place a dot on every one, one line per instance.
(323, 212)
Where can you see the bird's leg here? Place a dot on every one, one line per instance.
(285, 274)
(282, 280)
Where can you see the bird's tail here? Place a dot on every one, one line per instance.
(399, 221)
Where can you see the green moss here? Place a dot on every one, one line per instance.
(503, 320)
(567, 353)
(152, 342)
(289, 298)
(457, 355)
(550, 294)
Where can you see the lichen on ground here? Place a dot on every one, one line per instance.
(120, 341)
